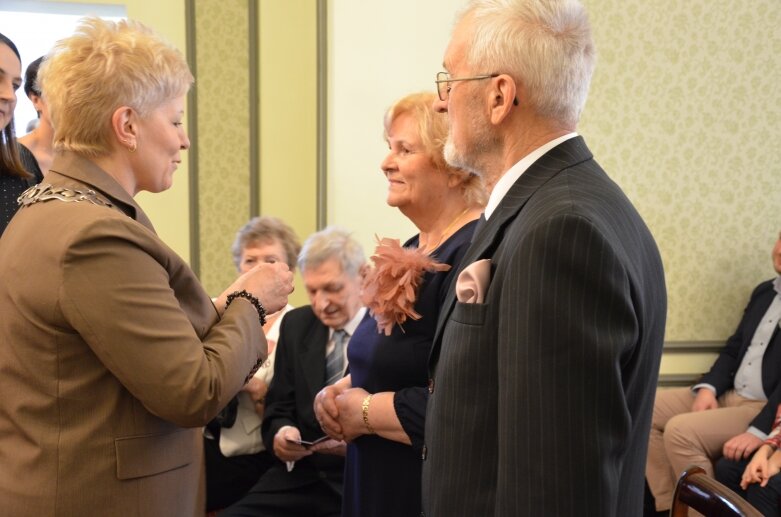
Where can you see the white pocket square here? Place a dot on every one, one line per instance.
(472, 282)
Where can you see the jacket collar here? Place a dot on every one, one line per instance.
(565, 155)
(76, 167)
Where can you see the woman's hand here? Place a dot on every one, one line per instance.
(757, 468)
(326, 411)
(269, 283)
(257, 390)
(773, 467)
(350, 406)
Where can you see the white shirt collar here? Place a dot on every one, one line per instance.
(511, 176)
(351, 325)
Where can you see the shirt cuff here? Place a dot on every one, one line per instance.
(704, 385)
(756, 432)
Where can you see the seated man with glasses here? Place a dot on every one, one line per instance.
(307, 478)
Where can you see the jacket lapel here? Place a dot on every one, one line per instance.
(313, 355)
(83, 170)
(565, 155)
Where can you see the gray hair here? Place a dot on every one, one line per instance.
(544, 44)
(263, 230)
(332, 242)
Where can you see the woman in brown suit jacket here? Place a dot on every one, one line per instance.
(112, 355)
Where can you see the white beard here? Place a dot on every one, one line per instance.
(473, 155)
(453, 158)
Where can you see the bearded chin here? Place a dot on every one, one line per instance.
(456, 159)
(451, 155)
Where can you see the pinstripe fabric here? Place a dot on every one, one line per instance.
(334, 361)
(543, 394)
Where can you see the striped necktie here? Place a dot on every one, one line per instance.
(334, 361)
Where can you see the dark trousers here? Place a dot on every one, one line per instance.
(229, 478)
(765, 499)
(649, 504)
(269, 499)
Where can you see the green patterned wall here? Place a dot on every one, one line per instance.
(286, 96)
(222, 84)
(684, 113)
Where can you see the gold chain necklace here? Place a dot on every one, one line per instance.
(428, 249)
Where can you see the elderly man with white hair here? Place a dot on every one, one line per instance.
(545, 363)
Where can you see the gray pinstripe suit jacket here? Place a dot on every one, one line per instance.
(541, 398)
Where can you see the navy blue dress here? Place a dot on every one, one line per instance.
(383, 477)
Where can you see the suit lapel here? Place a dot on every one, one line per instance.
(563, 156)
(313, 355)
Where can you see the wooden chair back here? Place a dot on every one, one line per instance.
(700, 492)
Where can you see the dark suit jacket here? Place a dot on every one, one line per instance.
(722, 373)
(299, 373)
(541, 397)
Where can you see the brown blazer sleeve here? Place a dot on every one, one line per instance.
(143, 313)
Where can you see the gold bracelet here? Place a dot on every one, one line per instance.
(365, 412)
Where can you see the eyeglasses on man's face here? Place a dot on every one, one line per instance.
(443, 82)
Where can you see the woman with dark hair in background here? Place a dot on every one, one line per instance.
(14, 175)
(39, 140)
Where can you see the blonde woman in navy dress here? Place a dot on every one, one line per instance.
(380, 407)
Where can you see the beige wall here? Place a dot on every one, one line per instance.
(682, 102)
(286, 103)
(683, 98)
(223, 141)
(288, 106)
(168, 210)
(371, 64)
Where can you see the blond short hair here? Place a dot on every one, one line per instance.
(432, 129)
(103, 66)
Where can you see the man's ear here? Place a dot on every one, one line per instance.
(124, 126)
(504, 94)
